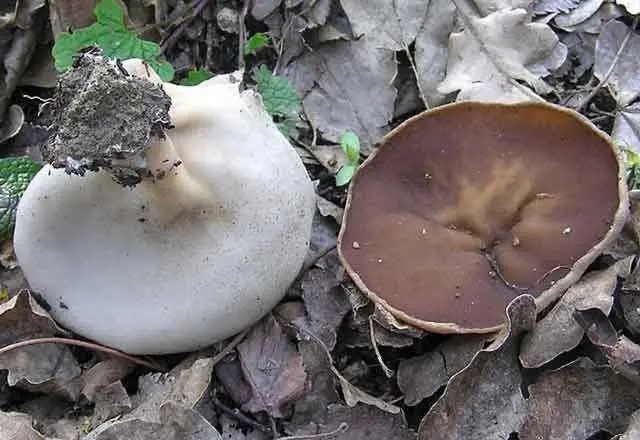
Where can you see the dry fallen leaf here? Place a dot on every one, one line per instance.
(620, 66)
(18, 426)
(260, 9)
(626, 128)
(622, 354)
(391, 25)
(110, 401)
(493, 53)
(311, 408)
(327, 208)
(558, 332)
(19, 31)
(272, 367)
(103, 374)
(630, 310)
(577, 401)
(389, 338)
(353, 396)
(633, 431)
(361, 422)
(337, 82)
(421, 376)
(570, 20)
(46, 368)
(432, 50)
(550, 6)
(484, 400)
(323, 238)
(12, 122)
(624, 80)
(229, 374)
(175, 422)
(163, 406)
(53, 416)
(326, 304)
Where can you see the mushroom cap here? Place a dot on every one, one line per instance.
(179, 263)
(464, 207)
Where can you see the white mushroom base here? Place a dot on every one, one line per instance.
(181, 263)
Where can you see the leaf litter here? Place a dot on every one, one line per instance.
(326, 362)
(559, 332)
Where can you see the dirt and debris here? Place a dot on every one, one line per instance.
(102, 117)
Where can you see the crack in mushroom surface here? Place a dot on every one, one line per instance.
(465, 207)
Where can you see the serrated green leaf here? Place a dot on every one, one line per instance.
(15, 175)
(344, 174)
(351, 146)
(278, 95)
(196, 76)
(256, 42)
(112, 36)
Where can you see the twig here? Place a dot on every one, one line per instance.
(274, 427)
(342, 427)
(238, 415)
(84, 344)
(615, 60)
(285, 32)
(309, 264)
(211, 31)
(242, 33)
(230, 346)
(173, 38)
(372, 335)
(159, 25)
(417, 77)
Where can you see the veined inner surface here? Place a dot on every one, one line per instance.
(490, 204)
(503, 211)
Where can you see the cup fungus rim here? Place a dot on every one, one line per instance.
(546, 297)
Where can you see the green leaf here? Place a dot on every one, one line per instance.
(632, 157)
(256, 42)
(196, 76)
(278, 95)
(15, 175)
(345, 174)
(112, 36)
(351, 146)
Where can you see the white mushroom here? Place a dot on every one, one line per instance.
(185, 261)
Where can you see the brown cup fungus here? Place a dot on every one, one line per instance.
(467, 206)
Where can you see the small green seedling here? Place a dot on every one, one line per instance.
(256, 43)
(279, 97)
(109, 33)
(633, 171)
(196, 76)
(351, 146)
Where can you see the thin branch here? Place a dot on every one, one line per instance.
(84, 344)
(230, 346)
(615, 60)
(238, 415)
(175, 35)
(415, 74)
(242, 33)
(372, 335)
(342, 427)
